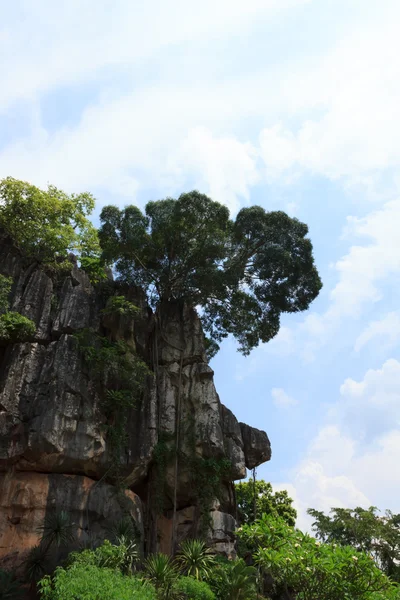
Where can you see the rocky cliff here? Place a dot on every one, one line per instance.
(182, 449)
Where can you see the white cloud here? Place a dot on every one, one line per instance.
(46, 45)
(353, 91)
(385, 332)
(362, 479)
(360, 274)
(353, 461)
(222, 167)
(152, 128)
(371, 407)
(144, 127)
(282, 399)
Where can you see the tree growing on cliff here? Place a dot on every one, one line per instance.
(242, 274)
(47, 224)
(278, 503)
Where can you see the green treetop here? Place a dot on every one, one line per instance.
(365, 530)
(268, 502)
(47, 225)
(241, 274)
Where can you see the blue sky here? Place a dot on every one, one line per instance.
(291, 104)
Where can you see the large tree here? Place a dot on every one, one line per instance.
(364, 529)
(242, 274)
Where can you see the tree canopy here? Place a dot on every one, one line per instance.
(242, 274)
(267, 502)
(47, 225)
(365, 530)
(298, 566)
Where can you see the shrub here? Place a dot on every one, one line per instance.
(90, 582)
(232, 580)
(119, 305)
(15, 327)
(189, 588)
(119, 556)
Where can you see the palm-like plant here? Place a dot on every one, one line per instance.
(123, 528)
(163, 572)
(195, 559)
(10, 587)
(57, 529)
(240, 581)
(130, 553)
(35, 563)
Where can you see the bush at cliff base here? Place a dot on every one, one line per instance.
(90, 582)
(192, 589)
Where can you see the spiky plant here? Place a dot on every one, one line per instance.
(57, 529)
(240, 581)
(195, 559)
(163, 572)
(123, 528)
(10, 587)
(35, 563)
(131, 553)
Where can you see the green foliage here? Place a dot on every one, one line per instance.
(216, 578)
(94, 266)
(90, 582)
(5, 288)
(309, 569)
(232, 580)
(207, 475)
(187, 588)
(195, 559)
(267, 501)
(123, 528)
(57, 529)
(121, 556)
(120, 376)
(243, 273)
(240, 581)
(10, 587)
(115, 366)
(47, 225)
(13, 326)
(163, 573)
(119, 305)
(366, 531)
(36, 561)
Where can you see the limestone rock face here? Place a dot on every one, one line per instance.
(54, 452)
(257, 448)
(27, 498)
